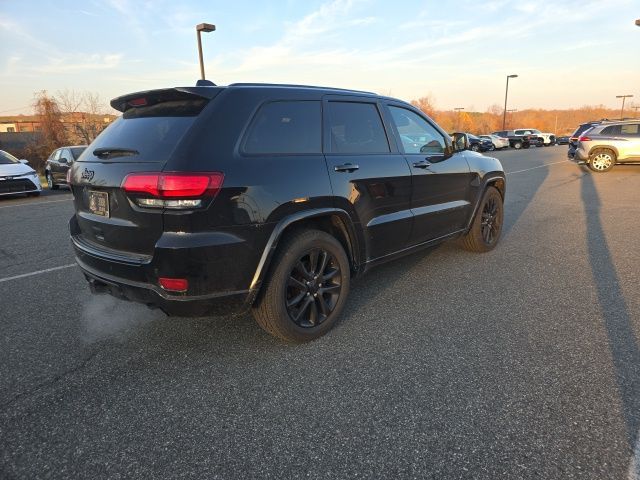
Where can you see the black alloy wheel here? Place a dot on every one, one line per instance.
(303, 295)
(490, 225)
(313, 288)
(486, 227)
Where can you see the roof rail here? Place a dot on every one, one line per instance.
(291, 85)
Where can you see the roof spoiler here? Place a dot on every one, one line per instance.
(151, 97)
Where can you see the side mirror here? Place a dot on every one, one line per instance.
(26, 162)
(460, 142)
(63, 160)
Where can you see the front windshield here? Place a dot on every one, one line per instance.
(7, 158)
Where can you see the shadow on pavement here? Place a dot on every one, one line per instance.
(615, 312)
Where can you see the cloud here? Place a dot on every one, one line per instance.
(79, 63)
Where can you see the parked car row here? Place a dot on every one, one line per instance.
(602, 144)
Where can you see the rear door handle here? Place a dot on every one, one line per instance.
(347, 167)
(421, 164)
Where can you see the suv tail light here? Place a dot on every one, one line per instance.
(172, 190)
(584, 139)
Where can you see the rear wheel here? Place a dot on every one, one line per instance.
(50, 183)
(602, 160)
(304, 295)
(487, 224)
(517, 145)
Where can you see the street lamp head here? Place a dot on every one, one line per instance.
(512, 76)
(205, 27)
(638, 22)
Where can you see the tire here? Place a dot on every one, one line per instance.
(52, 186)
(475, 147)
(292, 288)
(602, 160)
(517, 145)
(526, 145)
(486, 227)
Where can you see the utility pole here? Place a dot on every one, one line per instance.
(510, 111)
(623, 97)
(506, 94)
(458, 109)
(203, 27)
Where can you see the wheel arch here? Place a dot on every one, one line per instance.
(334, 221)
(604, 147)
(491, 179)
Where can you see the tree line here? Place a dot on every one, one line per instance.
(558, 121)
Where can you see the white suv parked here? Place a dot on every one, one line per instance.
(548, 139)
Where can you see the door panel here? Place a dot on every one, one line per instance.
(369, 178)
(440, 198)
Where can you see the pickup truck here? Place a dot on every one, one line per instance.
(548, 139)
(519, 140)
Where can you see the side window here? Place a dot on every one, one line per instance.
(64, 153)
(611, 130)
(356, 128)
(417, 135)
(630, 130)
(286, 127)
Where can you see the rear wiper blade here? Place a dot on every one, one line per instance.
(113, 152)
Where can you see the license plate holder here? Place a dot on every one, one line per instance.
(99, 203)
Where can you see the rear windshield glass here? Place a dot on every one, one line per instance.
(148, 133)
(7, 158)
(154, 138)
(582, 129)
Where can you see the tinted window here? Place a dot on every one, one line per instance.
(64, 153)
(154, 138)
(7, 158)
(76, 151)
(286, 127)
(630, 130)
(417, 135)
(356, 128)
(581, 129)
(611, 130)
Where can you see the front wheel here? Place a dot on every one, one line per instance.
(475, 147)
(487, 224)
(50, 184)
(517, 145)
(304, 295)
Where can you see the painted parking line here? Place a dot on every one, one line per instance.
(35, 203)
(539, 166)
(38, 272)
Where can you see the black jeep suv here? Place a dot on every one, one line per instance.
(203, 200)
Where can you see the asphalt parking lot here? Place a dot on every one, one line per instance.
(520, 363)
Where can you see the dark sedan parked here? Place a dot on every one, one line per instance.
(564, 140)
(58, 164)
(478, 144)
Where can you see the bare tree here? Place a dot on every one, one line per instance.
(53, 134)
(83, 112)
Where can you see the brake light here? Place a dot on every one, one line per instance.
(172, 190)
(174, 284)
(584, 139)
(138, 102)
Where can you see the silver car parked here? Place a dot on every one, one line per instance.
(604, 145)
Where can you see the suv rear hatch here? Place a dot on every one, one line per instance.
(151, 129)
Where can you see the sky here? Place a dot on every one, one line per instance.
(566, 53)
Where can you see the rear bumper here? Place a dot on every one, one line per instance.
(219, 269)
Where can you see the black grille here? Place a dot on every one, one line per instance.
(16, 185)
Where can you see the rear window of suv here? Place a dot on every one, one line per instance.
(286, 127)
(153, 131)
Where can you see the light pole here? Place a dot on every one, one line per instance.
(506, 93)
(458, 109)
(511, 112)
(623, 97)
(203, 27)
